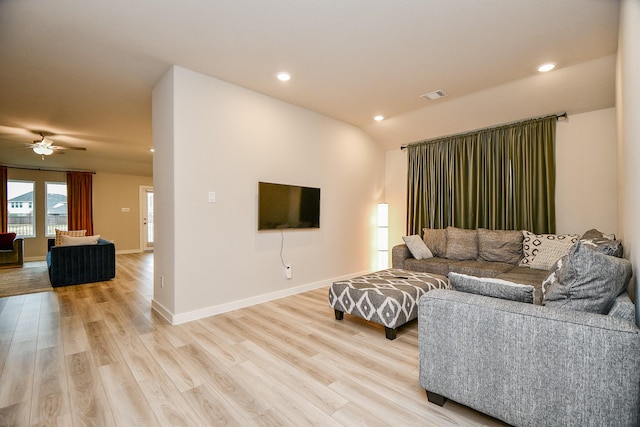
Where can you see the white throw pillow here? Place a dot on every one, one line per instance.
(549, 252)
(532, 243)
(417, 247)
(77, 241)
(73, 233)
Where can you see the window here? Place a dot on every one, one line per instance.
(56, 207)
(20, 212)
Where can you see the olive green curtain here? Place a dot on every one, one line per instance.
(80, 201)
(501, 178)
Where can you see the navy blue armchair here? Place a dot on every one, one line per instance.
(72, 265)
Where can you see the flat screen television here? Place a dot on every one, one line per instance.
(282, 206)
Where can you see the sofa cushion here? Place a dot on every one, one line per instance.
(491, 287)
(532, 244)
(431, 265)
(588, 280)
(6, 241)
(436, 241)
(526, 276)
(417, 247)
(73, 233)
(604, 245)
(479, 268)
(500, 245)
(461, 244)
(78, 241)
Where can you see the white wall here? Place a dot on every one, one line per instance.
(586, 173)
(628, 110)
(226, 139)
(586, 187)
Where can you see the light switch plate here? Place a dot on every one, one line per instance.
(212, 196)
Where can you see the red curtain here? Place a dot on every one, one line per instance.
(79, 201)
(3, 200)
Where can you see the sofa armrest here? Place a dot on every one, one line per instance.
(398, 254)
(529, 365)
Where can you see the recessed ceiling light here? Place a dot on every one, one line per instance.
(378, 118)
(283, 76)
(547, 67)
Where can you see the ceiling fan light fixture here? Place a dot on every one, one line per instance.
(43, 150)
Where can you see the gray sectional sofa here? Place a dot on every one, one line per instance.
(483, 253)
(574, 360)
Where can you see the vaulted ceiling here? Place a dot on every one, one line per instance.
(83, 71)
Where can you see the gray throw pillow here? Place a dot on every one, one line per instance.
(604, 245)
(500, 245)
(597, 234)
(417, 247)
(462, 244)
(587, 280)
(491, 287)
(436, 241)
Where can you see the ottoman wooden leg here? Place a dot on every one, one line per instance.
(339, 314)
(390, 333)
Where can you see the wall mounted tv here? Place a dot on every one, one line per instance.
(282, 206)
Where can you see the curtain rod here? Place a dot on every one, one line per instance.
(35, 168)
(562, 116)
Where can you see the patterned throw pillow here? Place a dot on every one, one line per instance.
(417, 247)
(72, 233)
(532, 242)
(549, 252)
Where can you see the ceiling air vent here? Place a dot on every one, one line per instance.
(434, 95)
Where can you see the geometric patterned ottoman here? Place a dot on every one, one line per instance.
(389, 297)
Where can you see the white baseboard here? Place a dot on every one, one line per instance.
(129, 251)
(176, 319)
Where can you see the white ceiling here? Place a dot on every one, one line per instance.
(84, 70)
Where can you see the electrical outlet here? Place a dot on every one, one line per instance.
(287, 271)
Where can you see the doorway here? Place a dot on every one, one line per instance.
(146, 218)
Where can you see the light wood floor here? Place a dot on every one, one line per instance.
(96, 354)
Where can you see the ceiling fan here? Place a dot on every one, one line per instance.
(45, 146)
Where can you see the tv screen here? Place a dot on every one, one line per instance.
(282, 206)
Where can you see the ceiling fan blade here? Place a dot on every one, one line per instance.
(66, 148)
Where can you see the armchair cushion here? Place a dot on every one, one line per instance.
(6, 241)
